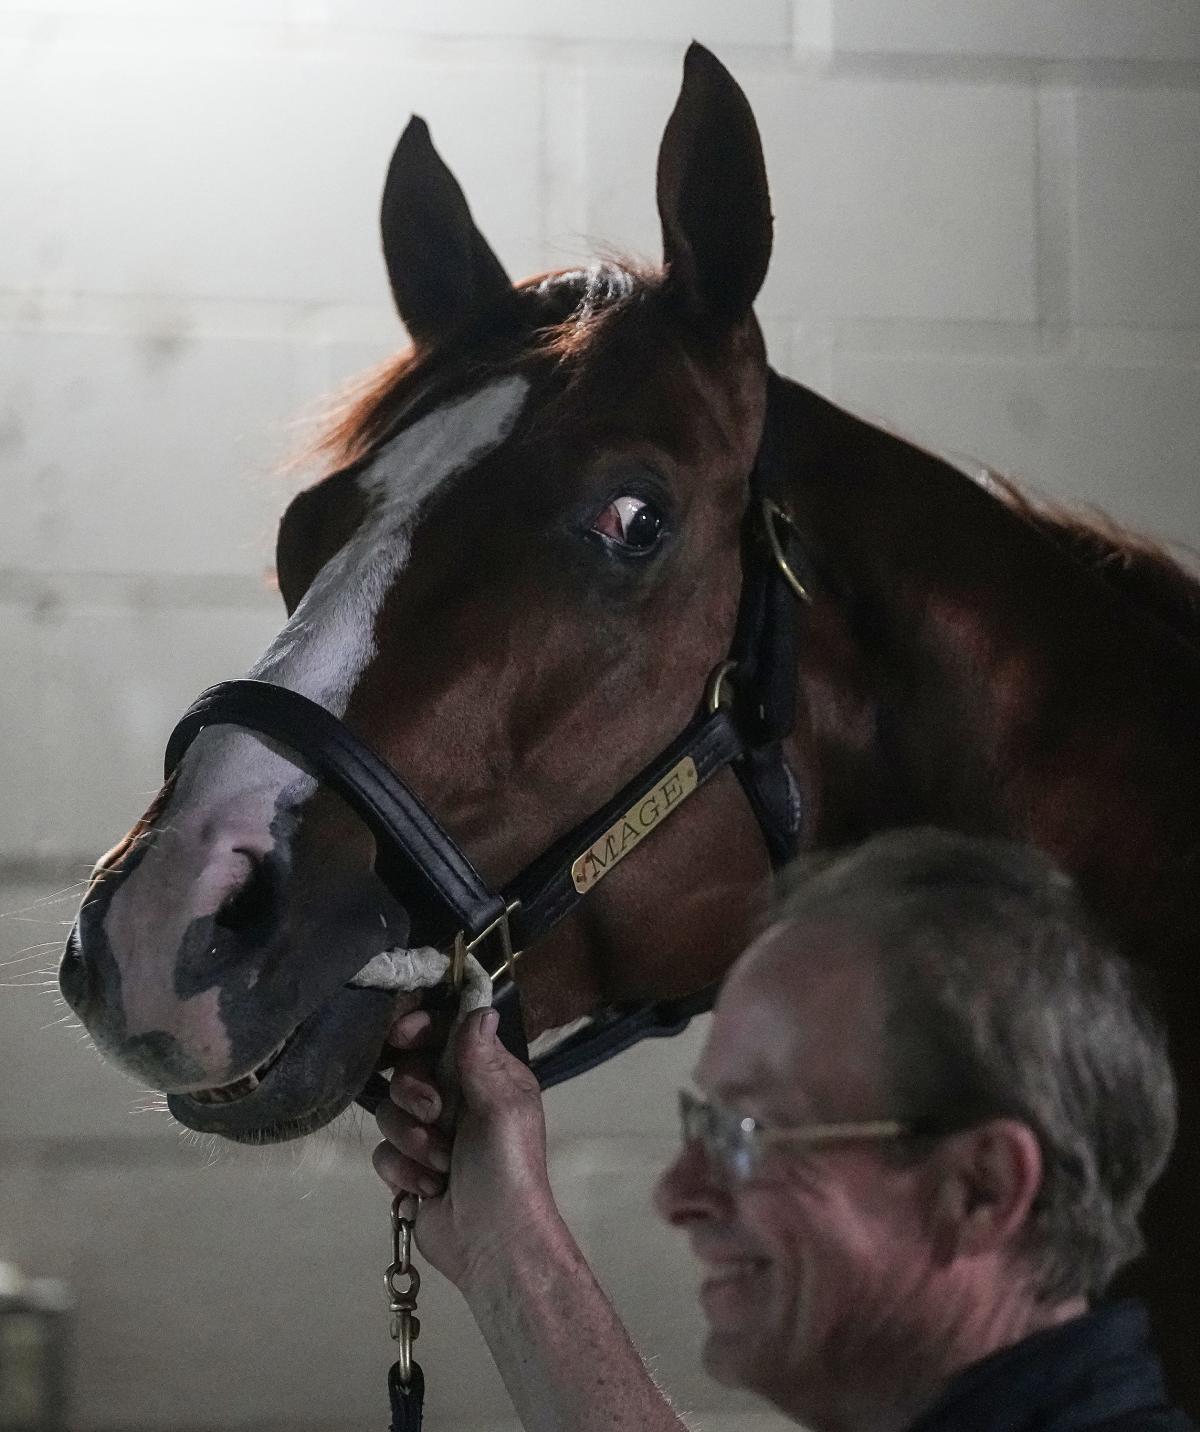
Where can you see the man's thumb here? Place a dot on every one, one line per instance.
(481, 1057)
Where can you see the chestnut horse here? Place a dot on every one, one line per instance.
(514, 584)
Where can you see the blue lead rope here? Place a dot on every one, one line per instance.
(408, 1403)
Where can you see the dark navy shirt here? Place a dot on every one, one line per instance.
(1096, 1373)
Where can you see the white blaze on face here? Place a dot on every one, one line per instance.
(325, 647)
(329, 640)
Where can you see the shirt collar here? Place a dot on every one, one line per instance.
(1061, 1379)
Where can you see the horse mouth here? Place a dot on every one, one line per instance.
(245, 1086)
(313, 1074)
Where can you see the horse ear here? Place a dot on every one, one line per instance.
(440, 267)
(712, 194)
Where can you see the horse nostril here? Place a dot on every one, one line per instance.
(249, 910)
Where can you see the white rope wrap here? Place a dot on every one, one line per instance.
(403, 970)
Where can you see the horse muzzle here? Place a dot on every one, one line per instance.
(243, 1015)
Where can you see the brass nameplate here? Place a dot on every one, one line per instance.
(633, 827)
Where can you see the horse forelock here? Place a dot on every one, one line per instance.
(559, 316)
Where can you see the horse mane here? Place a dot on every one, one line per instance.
(1130, 562)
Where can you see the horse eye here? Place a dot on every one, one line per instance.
(630, 522)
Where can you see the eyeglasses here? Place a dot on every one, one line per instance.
(738, 1143)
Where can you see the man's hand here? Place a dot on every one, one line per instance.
(490, 1224)
(485, 1189)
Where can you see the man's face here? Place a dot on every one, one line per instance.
(816, 1268)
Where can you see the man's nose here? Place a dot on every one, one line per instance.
(690, 1189)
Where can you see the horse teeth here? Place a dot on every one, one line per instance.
(246, 1085)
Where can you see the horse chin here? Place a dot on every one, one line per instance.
(322, 1068)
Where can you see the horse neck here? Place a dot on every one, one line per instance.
(964, 670)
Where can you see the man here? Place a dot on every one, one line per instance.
(930, 1108)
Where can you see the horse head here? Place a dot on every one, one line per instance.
(513, 586)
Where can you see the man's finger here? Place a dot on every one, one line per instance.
(412, 1088)
(426, 1146)
(411, 1029)
(490, 1075)
(404, 1175)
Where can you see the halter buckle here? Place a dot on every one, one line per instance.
(499, 928)
(458, 962)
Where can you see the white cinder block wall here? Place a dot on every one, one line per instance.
(988, 232)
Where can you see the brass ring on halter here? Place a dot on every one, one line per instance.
(717, 689)
(773, 513)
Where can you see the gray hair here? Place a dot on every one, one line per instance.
(1004, 1000)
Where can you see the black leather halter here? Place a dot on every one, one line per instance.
(748, 709)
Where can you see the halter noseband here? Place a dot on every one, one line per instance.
(748, 709)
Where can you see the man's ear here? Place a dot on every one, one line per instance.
(440, 267)
(985, 1182)
(712, 196)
